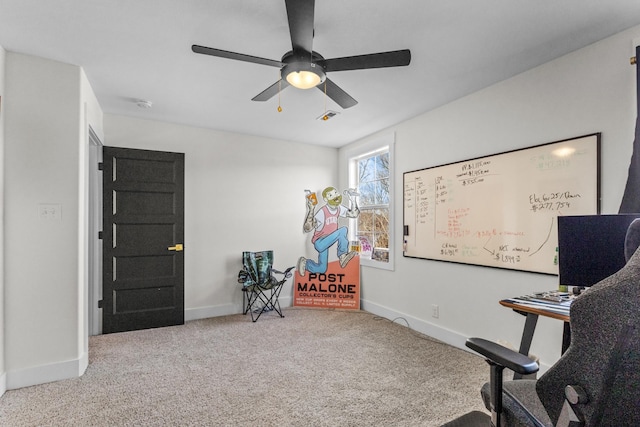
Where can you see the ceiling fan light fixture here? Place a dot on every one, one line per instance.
(303, 75)
(303, 79)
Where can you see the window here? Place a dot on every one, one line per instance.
(371, 174)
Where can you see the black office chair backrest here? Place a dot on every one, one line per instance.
(603, 357)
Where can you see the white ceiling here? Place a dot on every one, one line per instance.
(141, 49)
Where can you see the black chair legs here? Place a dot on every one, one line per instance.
(260, 286)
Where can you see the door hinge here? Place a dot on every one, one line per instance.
(100, 166)
(100, 235)
(100, 304)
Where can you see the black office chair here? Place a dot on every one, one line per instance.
(260, 287)
(596, 382)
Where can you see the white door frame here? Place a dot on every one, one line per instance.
(95, 226)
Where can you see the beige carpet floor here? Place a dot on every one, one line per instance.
(311, 368)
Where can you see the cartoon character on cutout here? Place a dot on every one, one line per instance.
(326, 230)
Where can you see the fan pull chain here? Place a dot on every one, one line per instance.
(279, 89)
(325, 117)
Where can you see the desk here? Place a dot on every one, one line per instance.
(532, 314)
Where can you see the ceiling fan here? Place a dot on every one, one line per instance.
(304, 68)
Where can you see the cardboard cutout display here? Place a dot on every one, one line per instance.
(324, 283)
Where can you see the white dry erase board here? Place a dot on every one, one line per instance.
(501, 210)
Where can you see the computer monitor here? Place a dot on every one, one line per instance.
(591, 247)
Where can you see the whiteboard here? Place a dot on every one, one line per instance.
(501, 210)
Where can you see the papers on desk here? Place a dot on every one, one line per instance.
(554, 301)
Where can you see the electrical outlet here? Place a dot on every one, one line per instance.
(435, 311)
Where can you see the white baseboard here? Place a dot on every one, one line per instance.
(447, 336)
(285, 301)
(84, 364)
(211, 311)
(3, 383)
(223, 310)
(46, 373)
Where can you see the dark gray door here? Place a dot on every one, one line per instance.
(143, 236)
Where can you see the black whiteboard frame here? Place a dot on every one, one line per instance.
(597, 193)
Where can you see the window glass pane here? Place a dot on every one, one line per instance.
(366, 169)
(365, 222)
(384, 192)
(381, 227)
(380, 192)
(373, 183)
(367, 192)
(382, 166)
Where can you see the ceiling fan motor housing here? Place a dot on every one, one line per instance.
(296, 62)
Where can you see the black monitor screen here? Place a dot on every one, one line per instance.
(591, 247)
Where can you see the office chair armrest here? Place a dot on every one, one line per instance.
(499, 357)
(503, 356)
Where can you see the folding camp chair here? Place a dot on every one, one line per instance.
(260, 287)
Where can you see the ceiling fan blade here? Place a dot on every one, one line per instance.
(334, 92)
(272, 90)
(300, 15)
(396, 58)
(232, 55)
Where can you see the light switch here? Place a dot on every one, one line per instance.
(49, 212)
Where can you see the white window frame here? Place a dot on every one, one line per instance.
(382, 143)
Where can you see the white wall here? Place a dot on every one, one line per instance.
(242, 193)
(590, 90)
(47, 108)
(246, 193)
(3, 376)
